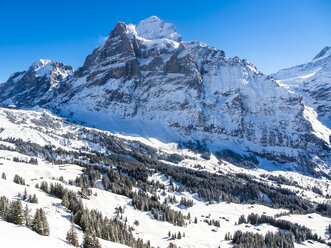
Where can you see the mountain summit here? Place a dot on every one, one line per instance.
(153, 28)
(31, 87)
(144, 80)
(326, 51)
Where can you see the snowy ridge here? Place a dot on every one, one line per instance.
(42, 67)
(313, 81)
(326, 52)
(49, 68)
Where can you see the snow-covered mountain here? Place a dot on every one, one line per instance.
(144, 80)
(312, 80)
(32, 87)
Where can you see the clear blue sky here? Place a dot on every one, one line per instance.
(271, 34)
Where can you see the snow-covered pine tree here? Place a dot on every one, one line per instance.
(96, 242)
(44, 222)
(36, 223)
(19, 180)
(27, 216)
(90, 241)
(14, 213)
(34, 199)
(72, 236)
(40, 223)
(65, 200)
(25, 195)
(4, 203)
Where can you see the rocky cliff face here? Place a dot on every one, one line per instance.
(145, 80)
(313, 81)
(32, 87)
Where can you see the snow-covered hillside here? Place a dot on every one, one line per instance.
(312, 80)
(62, 148)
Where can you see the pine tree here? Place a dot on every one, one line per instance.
(227, 236)
(36, 223)
(3, 206)
(90, 242)
(27, 217)
(3, 176)
(34, 199)
(45, 223)
(65, 200)
(84, 222)
(72, 236)
(19, 180)
(15, 213)
(25, 195)
(39, 223)
(96, 242)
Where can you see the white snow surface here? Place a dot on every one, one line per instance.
(153, 28)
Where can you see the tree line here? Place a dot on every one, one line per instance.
(13, 212)
(279, 239)
(92, 222)
(299, 232)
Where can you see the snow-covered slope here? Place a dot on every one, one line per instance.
(313, 81)
(32, 87)
(22, 133)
